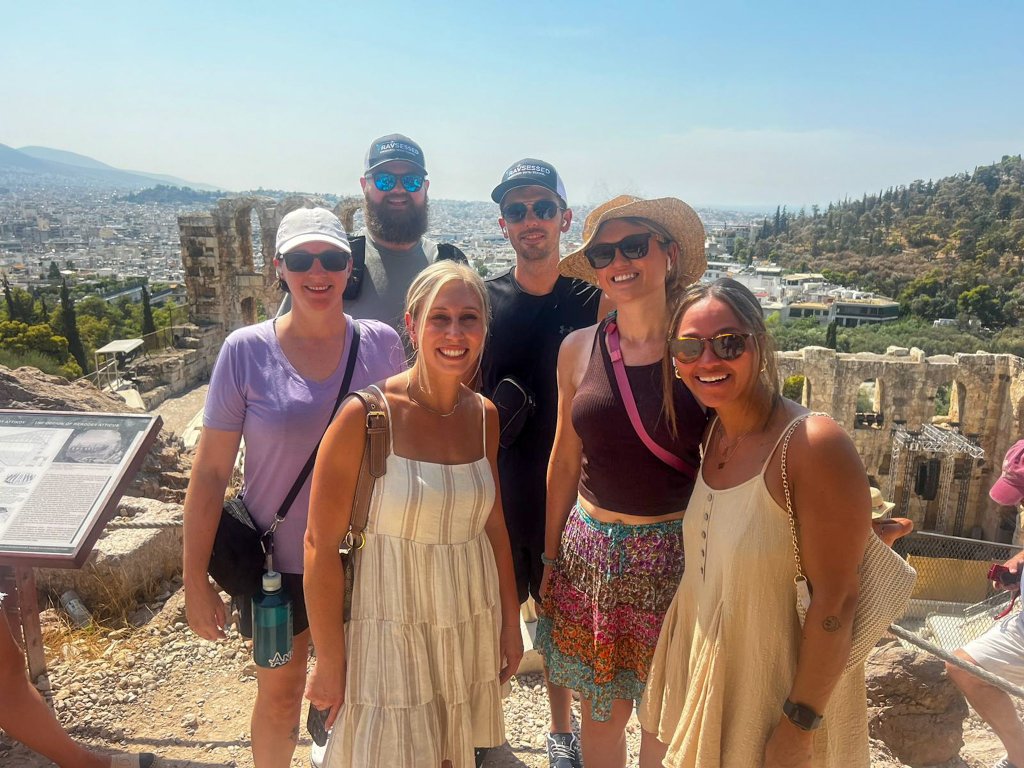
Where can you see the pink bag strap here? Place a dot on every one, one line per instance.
(611, 333)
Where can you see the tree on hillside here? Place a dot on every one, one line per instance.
(982, 303)
(831, 335)
(69, 326)
(148, 326)
(8, 298)
(54, 271)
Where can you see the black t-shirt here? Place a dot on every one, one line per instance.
(525, 334)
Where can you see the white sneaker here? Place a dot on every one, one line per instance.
(316, 755)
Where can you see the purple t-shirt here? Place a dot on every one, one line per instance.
(282, 415)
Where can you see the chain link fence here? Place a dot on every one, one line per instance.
(953, 600)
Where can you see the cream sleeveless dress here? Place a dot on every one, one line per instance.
(727, 654)
(422, 644)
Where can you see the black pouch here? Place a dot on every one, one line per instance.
(316, 724)
(237, 560)
(515, 405)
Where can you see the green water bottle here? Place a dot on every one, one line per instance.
(272, 623)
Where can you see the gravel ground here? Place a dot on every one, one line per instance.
(159, 688)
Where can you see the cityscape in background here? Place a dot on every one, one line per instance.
(96, 233)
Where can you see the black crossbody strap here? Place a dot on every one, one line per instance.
(345, 384)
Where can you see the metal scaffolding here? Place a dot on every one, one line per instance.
(956, 454)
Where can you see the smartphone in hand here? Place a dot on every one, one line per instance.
(316, 724)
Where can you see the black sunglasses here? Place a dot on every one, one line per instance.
(301, 261)
(726, 346)
(632, 247)
(544, 210)
(385, 182)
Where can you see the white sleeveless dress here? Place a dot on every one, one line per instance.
(423, 642)
(727, 654)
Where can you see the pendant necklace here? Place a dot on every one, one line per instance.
(424, 406)
(728, 452)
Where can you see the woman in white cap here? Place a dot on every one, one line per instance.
(736, 681)
(621, 471)
(276, 384)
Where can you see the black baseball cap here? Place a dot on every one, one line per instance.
(394, 146)
(530, 172)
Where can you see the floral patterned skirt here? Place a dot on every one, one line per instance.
(605, 602)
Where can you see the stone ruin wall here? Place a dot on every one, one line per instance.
(222, 283)
(986, 399)
(225, 291)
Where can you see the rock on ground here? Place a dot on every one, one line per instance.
(913, 706)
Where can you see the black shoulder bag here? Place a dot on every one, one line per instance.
(240, 551)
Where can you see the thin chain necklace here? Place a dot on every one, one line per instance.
(408, 391)
(728, 452)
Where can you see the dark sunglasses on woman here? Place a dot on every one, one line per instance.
(545, 210)
(301, 261)
(385, 182)
(632, 247)
(726, 346)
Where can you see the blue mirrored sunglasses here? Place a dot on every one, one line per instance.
(385, 182)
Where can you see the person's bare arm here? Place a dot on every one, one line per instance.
(563, 476)
(204, 500)
(832, 502)
(497, 534)
(330, 509)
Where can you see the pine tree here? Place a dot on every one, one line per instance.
(69, 326)
(832, 335)
(148, 325)
(8, 298)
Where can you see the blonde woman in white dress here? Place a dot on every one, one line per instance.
(413, 679)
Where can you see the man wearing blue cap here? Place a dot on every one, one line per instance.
(395, 208)
(533, 308)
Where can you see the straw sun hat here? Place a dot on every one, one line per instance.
(879, 506)
(674, 216)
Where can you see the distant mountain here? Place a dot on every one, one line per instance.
(63, 156)
(30, 165)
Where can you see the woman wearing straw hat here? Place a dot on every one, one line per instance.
(888, 528)
(621, 471)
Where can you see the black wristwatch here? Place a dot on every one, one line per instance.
(804, 718)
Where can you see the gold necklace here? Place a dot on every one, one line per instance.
(727, 453)
(408, 391)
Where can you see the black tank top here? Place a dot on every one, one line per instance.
(619, 472)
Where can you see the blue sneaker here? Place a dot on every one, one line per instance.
(564, 750)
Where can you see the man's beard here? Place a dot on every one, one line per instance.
(406, 225)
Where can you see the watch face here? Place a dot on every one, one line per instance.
(801, 716)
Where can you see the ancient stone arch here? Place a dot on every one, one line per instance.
(987, 401)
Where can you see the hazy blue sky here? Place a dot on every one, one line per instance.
(714, 102)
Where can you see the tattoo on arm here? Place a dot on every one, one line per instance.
(831, 624)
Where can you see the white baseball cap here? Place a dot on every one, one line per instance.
(311, 225)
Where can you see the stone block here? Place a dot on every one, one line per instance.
(126, 565)
(913, 706)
